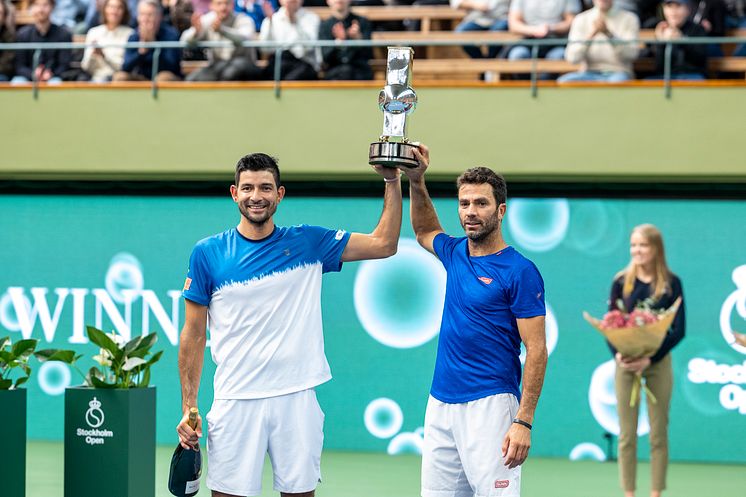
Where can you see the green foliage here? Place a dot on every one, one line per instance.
(121, 364)
(14, 359)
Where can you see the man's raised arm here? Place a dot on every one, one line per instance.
(384, 239)
(424, 218)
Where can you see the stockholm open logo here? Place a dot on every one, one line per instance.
(94, 416)
(736, 301)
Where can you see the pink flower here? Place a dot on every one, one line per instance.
(639, 317)
(614, 319)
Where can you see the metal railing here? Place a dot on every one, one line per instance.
(279, 47)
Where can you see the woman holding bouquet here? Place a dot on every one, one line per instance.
(646, 281)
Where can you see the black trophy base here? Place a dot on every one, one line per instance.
(392, 154)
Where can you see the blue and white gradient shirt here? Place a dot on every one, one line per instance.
(264, 307)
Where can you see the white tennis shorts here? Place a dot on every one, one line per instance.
(241, 432)
(462, 451)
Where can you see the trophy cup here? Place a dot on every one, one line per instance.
(396, 100)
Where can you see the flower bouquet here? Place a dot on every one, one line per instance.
(636, 334)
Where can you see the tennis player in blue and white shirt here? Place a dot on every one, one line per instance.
(478, 421)
(260, 287)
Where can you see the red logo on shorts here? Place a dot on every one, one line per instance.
(485, 280)
(502, 483)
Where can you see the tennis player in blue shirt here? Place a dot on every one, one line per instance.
(478, 421)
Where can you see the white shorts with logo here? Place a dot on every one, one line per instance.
(242, 431)
(462, 451)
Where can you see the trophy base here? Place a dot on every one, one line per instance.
(392, 154)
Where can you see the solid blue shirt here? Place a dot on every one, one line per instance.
(479, 344)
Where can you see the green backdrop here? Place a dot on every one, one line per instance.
(380, 317)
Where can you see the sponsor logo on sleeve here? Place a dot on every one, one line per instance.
(502, 483)
(187, 284)
(340, 234)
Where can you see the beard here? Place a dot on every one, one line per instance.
(483, 230)
(258, 219)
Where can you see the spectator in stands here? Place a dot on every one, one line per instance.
(202, 7)
(710, 14)
(52, 62)
(292, 23)
(7, 35)
(255, 9)
(628, 5)
(737, 19)
(138, 62)
(178, 13)
(687, 61)
(735, 13)
(541, 19)
(602, 61)
(70, 14)
(348, 62)
(482, 15)
(102, 62)
(96, 8)
(232, 63)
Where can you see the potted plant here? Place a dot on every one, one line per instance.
(110, 421)
(15, 370)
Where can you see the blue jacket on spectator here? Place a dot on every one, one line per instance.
(169, 60)
(254, 10)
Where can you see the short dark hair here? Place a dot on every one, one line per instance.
(480, 175)
(258, 162)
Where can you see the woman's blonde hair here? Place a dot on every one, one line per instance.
(661, 273)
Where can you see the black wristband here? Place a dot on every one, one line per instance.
(522, 423)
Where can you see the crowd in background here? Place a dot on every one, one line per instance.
(111, 22)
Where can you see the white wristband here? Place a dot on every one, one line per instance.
(391, 180)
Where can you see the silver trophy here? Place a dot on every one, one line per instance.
(396, 100)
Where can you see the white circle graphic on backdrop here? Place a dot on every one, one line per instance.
(399, 300)
(405, 443)
(383, 418)
(124, 273)
(538, 224)
(54, 377)
(602, 399)
(8, 316)
(587, 451)
(737, 301)
(595, 228)
(552, 333)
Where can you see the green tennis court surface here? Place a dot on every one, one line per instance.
(348, 474)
